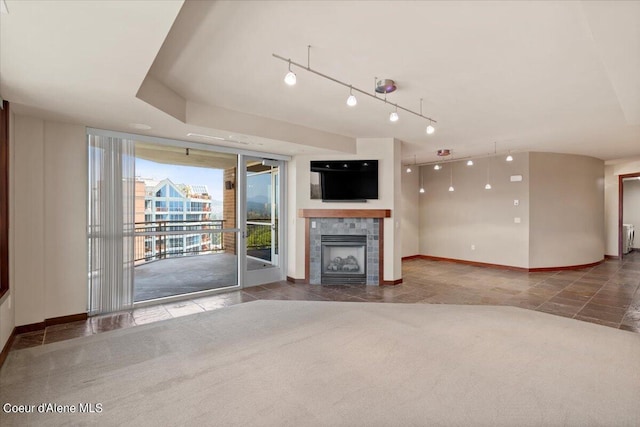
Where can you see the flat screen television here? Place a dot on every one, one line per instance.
(344, 180)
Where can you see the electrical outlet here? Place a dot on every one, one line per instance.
(516, 220)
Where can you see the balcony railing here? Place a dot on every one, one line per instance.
(259, 238)
(156, 240)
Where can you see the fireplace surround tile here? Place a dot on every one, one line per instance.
(345, 226)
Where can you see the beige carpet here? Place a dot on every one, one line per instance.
(304, 363)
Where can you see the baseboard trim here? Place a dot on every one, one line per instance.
(407, 258)
(66, 319)
(296, 281)
(611, 257)
(564, 268)
(32, 327)
(390, 282)
(7, 346)
(510, 267)
(474, 263)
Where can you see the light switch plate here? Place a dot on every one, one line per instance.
(516, 220)
(516, 202)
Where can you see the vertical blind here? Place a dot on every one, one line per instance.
(111, 223)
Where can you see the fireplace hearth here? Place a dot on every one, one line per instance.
(343, 259)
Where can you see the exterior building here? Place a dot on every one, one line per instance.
(174, 207)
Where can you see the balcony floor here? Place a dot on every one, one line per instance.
(182, 275)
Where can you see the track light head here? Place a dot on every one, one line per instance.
(393, 117)
(421, 189)
(430, 130)
(437, 167)
(408, 169)
(451, 188)
(469, 162)
(290, 78)
(509, 158)
(351, 100)
(487, 187)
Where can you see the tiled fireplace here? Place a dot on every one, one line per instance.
(344, 246)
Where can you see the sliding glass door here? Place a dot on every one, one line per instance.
(169, 218)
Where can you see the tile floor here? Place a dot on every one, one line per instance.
(607, 294)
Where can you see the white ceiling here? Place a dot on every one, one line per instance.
(531, 76)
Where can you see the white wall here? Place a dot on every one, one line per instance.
(566, 196)
(388, 152)
(65, 220)
(50, 204)
(560, 209)
(611, 172)
(410, 211)
(631, 206)
(28, 248)
(451, 222)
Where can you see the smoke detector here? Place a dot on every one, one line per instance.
(444, 152)
(385, 86)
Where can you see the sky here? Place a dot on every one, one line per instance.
(212, 178)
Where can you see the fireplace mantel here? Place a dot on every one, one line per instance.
(344, 213)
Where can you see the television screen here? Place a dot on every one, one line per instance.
(344, 180)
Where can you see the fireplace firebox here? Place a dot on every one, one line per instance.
(343, 259)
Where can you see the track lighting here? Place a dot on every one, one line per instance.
(408, 169)
(469, 162)
(509, 157)
(451, 188)
(290, 78)
(351, 100)
(393, 117)
(487, 187)
(437, 167)
(383, 86)
(422, 189)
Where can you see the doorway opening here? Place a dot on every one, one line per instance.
(182, 213)
(628, 213)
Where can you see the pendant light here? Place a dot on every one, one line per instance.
(421, 181)
(451, 183)
(509, 157)
(495, 151)
(437, 167)
(414, 163)
(488, 185)
(469, 162)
